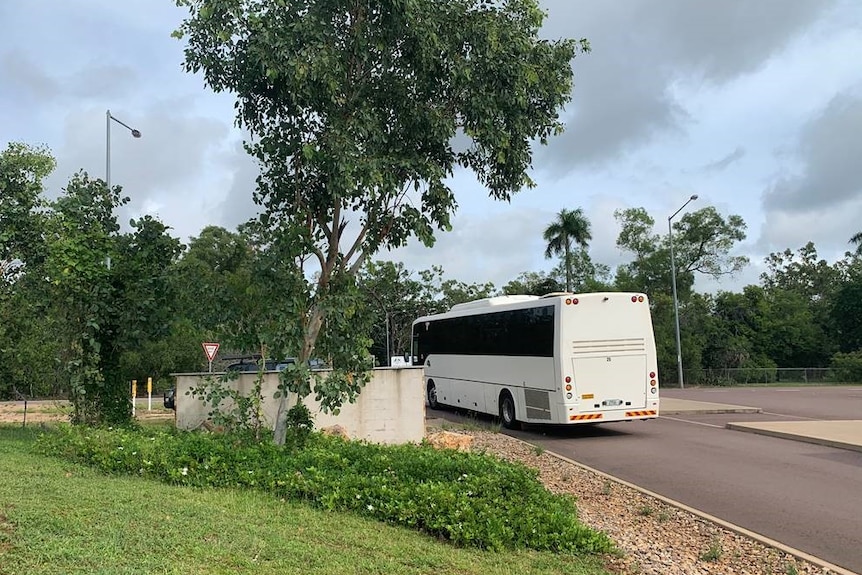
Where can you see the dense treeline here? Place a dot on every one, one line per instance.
(85, 307)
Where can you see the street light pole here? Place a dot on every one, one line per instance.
(135, 134)
(388, 355)
(675, 300)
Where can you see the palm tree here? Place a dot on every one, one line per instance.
(571, 226)
(857, 239)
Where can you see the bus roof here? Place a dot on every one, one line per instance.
(487, 305)
(492, 301)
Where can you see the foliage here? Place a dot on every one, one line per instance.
(22, 170)
(570, 227)
(354, 108)
(76, 521)
(471, 500)
(714, 552)
(230, 410)
(846, 367)
(702, 241)
(587, 275)
(533, 283)
(802, 272)
(80, 244)
(394, 297)
(846, 313)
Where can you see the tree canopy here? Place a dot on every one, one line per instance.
(570, 227)
(357, 112)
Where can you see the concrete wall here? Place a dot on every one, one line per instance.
(390, 408)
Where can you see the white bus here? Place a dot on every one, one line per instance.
(560, 359)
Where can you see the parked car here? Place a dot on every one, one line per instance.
(170, 399)
(253, 365)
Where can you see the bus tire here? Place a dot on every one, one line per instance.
(431, 395)
(507, 411)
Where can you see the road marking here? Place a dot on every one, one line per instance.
(694, 422)
(793, 416)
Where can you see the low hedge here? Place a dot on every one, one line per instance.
(470, 499)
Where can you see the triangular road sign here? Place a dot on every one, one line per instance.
(211, 349)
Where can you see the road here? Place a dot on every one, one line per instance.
(803, 495)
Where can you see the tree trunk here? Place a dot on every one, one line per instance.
(311, 332)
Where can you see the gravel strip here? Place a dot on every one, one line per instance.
(653, 537)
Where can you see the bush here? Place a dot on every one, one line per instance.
(846, 367)
(470, 499)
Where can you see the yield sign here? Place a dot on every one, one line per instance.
(211, 349)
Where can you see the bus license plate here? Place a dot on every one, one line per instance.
(612, 402)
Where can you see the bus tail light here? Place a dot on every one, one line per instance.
(568, 387)
(634, 299)
(568, 379)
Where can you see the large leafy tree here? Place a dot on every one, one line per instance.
(354, 107)
(107, 293)
(395, 297)
(81, 231)
(571, 228)
(847, 314)
(857, 239)
(703, 241)
(27, 348)
(22, 170)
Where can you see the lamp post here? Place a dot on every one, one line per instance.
(135, 134)
(675, 300)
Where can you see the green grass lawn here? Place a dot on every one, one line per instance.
(61, 518)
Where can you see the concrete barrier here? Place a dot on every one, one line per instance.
(390, 408)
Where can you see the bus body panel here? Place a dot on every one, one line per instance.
(602, 342)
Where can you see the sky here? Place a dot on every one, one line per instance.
(756, 107)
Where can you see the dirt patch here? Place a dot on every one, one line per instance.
(44, 411)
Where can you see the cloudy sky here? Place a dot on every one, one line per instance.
(756, 106)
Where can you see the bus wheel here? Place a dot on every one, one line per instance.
(432, 395)
(507, 411)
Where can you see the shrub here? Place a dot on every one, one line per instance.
(470, 499)
(846, 367)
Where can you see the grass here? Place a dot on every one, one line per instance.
(646, 511)
(62, 518)
(714, 552)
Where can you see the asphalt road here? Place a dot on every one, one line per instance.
(803, 495)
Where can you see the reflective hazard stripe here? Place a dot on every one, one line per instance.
(583, 417)
(641, 413)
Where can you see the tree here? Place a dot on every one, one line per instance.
(22, 170)
(395, 299)
(815, 284)
(846, 314)
(81, 231)
(353, 107)
(212, 281)
(142, 314)
(857, 239)
(570, 227)
(703, 240)
(533, 283)
(25, 343)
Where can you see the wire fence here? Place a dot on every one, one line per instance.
(758, 376)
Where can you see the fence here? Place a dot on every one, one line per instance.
(757, 376)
